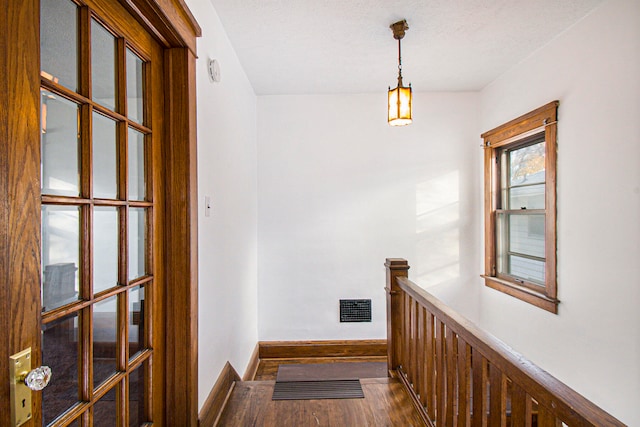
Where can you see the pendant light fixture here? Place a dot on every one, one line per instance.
(400, 98)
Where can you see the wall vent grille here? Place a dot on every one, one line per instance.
(355, 310)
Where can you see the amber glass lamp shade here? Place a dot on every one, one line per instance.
(400, 99)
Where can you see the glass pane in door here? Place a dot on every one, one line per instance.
(105, 244)
(105, 164)
(60, 351)
(135, 100)
(103, 66)
(136, 320)
(59, 146)
(136, 165)
(137, 380)
(60, 255)
(105, 411)
(105, 328)
(137, 243)
(59, 41)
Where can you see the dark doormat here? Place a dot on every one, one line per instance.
(331, 371)
(340, 380)
(306, 390)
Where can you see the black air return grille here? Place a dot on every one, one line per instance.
(355, 310)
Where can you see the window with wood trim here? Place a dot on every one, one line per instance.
(520, 207)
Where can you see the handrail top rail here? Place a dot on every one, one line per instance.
(542, 386)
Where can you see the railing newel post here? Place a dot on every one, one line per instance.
(396, 267)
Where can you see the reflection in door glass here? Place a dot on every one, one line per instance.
(59, 145)
(59, 41)
(60, 352)
(60, 255)
(103, 66)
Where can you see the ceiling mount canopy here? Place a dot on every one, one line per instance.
(400, 98)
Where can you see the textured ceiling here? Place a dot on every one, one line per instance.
(346, 46)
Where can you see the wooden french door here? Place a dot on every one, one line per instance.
(99, 212)
(90, 99)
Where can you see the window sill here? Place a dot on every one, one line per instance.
(523, 293)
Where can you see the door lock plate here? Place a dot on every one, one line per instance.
(19, 367)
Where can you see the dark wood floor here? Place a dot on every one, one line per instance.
(386, 403)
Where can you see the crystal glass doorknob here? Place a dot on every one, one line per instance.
(38, 378)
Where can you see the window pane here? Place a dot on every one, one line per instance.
(526, 165)
(59, 42)
(104, 339)
(59, 141)
(502, 245)
(520, 234)
(136, 320)
(60, 353)
(105, 170)
(105, 246)
(103, 66)
(134, 88)
(136, 165)
(137, 239)
(527, 269)
(60, 255)
(529, 197)
(526, 234)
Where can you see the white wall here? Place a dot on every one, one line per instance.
(593, 344)
(339, 191)
(227, 319)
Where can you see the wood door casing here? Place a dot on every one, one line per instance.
(175, 29)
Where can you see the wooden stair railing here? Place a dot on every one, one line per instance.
(459, 375)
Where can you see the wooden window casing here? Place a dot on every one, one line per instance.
(540, 123)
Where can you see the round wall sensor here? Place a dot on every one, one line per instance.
(214, 70)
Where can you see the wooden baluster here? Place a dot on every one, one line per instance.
(497, 397)
(401, 325)
(451, 375)
(406, 338)
(395, 268)
(440, 374)
(520, 407)
(479, 363)
(419, 352)
(430, 356)
(413, 364)
(546, 417)
(464, 383)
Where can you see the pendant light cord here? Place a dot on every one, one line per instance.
(399, 63)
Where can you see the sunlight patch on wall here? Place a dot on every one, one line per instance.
(437, 229)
